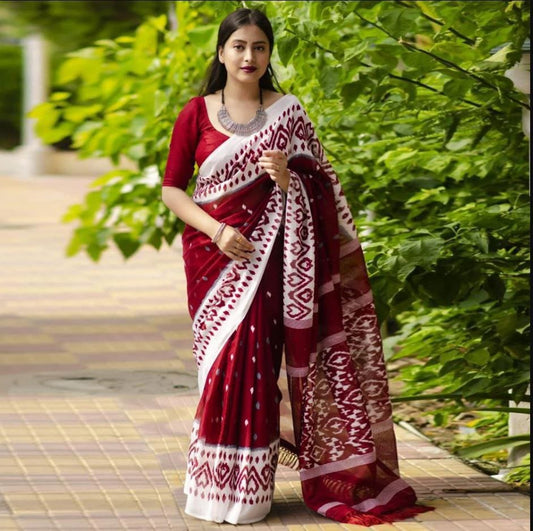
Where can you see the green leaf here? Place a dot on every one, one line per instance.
(458, 145)
(59, 132)
(478, 238)
(85, 68)
(111, 177)
(107, 43)
(125, 39)
(451, 366)
(74, 246)
(59, 96)
(204, 36)
(417, 62)
(328, 79)
(351, 91)
(84, 132)
(456, 52)
(156, 239)
(159, 22)
(78, 113)
(476, 298)
(137, 151)
(127, 245)
(46, 115)
(355, 51)
(478, 357)
(95, 250)
(457, 88)
(423, 251)
(72, 213)
(440, 418)
(286, 48)
(399, 265)
(70, 70)
(398, 20)
(503, 443)
(145, 41)
(160, 102)
(383, 57)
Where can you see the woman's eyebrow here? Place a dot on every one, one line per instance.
(245, 42)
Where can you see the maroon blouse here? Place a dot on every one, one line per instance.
(193, 139)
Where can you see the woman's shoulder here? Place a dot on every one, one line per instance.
(192, 104)
(271, 96)
(288, 98)
(190, 111)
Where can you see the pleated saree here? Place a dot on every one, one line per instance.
(304, 292)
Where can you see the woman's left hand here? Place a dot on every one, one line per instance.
(274, 162)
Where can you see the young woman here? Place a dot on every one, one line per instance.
(273, 264)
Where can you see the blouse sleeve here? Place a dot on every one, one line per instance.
(180, 161)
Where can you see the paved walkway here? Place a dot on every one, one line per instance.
(97, 394)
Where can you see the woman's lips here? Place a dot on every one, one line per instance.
(249, 69)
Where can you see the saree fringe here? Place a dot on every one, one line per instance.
(368, 520)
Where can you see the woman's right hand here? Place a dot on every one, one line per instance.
(234, 245)
(230, 241)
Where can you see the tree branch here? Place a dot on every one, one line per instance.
(401, 78)
(468, 40)
(441, 60)
(428, 87)
(413, 47)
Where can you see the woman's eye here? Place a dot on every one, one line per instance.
(260, 48)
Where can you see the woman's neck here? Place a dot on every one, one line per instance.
(241, 92)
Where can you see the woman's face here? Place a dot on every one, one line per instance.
(246, 54)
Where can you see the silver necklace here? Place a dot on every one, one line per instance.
(254, 125)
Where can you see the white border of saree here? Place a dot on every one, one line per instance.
(235, 289)
(234, 292)
(212, 182)
(225, 478)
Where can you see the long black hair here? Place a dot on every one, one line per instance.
(216, 74)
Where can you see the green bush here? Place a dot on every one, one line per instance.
(65, 26)
(423, 129)
(521, 474)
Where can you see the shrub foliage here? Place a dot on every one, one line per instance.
(423, 127)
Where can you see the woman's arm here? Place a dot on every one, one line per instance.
(231, 242)
(188, 211)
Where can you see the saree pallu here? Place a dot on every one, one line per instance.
(304, 290)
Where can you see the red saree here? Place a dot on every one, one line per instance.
(305, 290)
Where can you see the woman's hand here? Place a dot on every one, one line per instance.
(274, 162)
(234, 245)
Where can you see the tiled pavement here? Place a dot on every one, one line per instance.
(97, 394)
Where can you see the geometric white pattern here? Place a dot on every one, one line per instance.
(228, 483)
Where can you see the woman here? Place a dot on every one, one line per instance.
(273, 263)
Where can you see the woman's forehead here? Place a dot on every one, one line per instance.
(249, 33)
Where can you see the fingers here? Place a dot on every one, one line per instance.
(276, 153)
(278, 172)
(273, 170)
(274, 162)
(273, 157)
(234, 245)
(243, 244)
